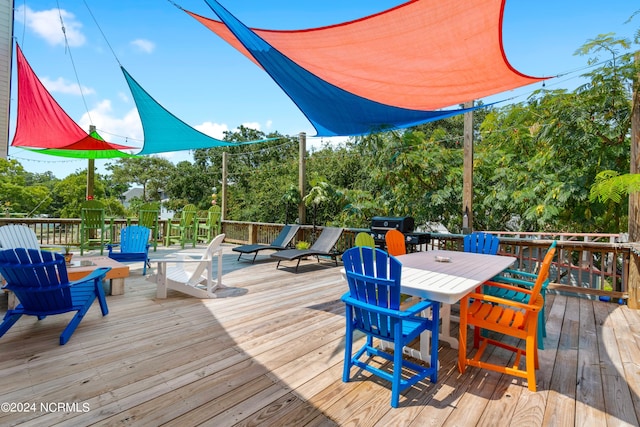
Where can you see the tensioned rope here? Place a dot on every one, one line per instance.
(102, 32)
(75, 71)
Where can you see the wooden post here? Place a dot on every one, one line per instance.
(634, 198)
(223, 202)
(302, 175)
(91, 170)
(467, 177)
(634, 166)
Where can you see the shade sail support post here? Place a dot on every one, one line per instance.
(302, 175)
(91, 168)
(223, 207)
(467, 177)
(634, 197)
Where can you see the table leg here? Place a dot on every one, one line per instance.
(161, 281)
(445, 327)
(117, 286)
(12, 301)
(424, 352)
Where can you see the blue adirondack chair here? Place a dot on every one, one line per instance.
(373, 307)
(39, 281)
(134, 246)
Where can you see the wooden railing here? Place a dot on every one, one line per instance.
(586, 265)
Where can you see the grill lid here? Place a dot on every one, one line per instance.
(403, 224)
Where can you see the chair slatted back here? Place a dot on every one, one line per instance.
(365, 239)
(207, 254)
(38, 279)
(481, 243)
(188, 215)
(18, 236)
(374, 279)
(134, 239)
(543, 274)
(213, 217)
(148, 216)
(395, 242)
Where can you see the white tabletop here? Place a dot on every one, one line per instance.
(448, 282)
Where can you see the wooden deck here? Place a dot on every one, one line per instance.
(269, 352)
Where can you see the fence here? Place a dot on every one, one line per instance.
(588, 265)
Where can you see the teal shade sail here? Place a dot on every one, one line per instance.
(164, 132)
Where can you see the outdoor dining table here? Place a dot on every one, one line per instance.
(446, 276)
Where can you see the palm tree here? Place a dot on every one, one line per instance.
(319, 193)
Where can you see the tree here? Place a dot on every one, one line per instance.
(290, 199)
(16, 195)
(151, 172)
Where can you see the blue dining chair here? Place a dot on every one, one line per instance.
(373, 308)
(481, 243)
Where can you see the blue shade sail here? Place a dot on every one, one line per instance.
(331, 110)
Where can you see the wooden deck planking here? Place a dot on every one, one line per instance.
(270, 351)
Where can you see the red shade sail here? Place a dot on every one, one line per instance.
(42, 123)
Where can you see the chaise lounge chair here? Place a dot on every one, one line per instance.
(323, 246)
(280, 243)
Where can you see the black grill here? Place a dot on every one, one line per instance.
(382, 224)
(405, 224)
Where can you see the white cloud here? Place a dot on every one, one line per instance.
(62, 86)
(215, 130)
(144, 45)
(46, 24)
(252, 125)
(126, 130)
(124, 97)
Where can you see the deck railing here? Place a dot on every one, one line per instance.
(588, 265)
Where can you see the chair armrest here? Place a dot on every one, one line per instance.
(98, 273)
(517, 281)
(401, 314)
(502, 301)
(508, 287)
(419, 307)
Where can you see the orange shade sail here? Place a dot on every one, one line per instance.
(421, 55)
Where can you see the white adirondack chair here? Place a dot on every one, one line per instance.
(192, 276)
(20, 236)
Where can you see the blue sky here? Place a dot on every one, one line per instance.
(212, 87)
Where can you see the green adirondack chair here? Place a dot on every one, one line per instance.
(148, 217)
(211, 227)
(93, 228)
(186, 231)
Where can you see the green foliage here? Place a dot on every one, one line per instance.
(151, 172)
(69, 193)
(610, 186)
(302, 245)
(16, 195)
